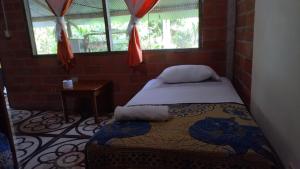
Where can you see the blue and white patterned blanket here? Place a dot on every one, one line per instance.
(219, 134)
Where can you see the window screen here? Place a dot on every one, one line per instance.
(85, 26)
(172, 24)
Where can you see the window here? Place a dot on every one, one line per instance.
(172, 24)
(85, 26)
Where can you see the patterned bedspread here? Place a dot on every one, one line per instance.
(6, 161)
(200, 136)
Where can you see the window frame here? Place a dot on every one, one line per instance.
(106, 16)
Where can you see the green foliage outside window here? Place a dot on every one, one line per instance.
(164, 28)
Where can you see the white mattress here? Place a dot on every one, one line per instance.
(156, 92)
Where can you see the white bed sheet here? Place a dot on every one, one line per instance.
(157, 92)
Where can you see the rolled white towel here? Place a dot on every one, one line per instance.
(145, 112)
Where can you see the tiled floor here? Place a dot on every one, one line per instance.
(43, 140)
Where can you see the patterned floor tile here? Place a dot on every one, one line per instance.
(64, 153)
(27, 145)
(44, 140)
(18, 116)
(47, 123)
(88, 127)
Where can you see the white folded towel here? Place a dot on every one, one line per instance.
(145, 112)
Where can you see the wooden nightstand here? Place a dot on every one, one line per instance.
(88, 89)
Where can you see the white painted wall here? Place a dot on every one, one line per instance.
(276, 75)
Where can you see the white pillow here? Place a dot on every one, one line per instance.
(187, 74)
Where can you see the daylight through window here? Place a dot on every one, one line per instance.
(172, 24)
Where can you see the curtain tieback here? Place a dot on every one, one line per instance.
(133, 21)
(60, 26)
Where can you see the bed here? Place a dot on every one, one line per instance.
(210, 128)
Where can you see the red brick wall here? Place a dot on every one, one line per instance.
(244, 48)
(33, 83)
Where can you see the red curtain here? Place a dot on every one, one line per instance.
(137, 9)
(64, 49)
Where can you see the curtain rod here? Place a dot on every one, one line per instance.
(6, 31)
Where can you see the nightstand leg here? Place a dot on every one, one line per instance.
(64, 105)
(95, 108)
